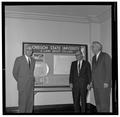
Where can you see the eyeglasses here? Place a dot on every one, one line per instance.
(78, 55)
(29, 49)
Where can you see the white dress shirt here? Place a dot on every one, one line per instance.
(97, 55)
(27, 58)
(79, 62)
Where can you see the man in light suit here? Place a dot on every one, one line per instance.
(80, 77)
(23, 72)
(101, 77)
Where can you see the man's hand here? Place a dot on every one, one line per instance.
(71, 85)
(106, 85)
(88, 87)
(91, 85)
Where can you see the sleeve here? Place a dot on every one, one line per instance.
(108, 68)
(16, 69)
(71, 74)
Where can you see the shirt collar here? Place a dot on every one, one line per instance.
(26, 57)
(80, 61)
(98, 54)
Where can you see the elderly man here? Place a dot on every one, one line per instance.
(23, 73)
(80, 77)
(101, 77)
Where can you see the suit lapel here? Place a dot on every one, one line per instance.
(99, 57)
(82, 65)
(95, 63)
(83, 62)
(76, 67)
(25, 61)
(31, 62)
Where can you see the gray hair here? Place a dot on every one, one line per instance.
(98, 44)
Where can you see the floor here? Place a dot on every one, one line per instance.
(68, 109)
(55, 109)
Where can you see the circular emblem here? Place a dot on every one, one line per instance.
(41, 69)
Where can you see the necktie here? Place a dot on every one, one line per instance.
(96, 57)
(95, 60)
(78, 67)
(29, 62)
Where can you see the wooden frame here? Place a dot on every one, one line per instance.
(55, 49)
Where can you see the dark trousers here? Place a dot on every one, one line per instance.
(79, 92)
(26, 100)
(102, 99)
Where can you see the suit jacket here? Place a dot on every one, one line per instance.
(84, 74)
(22, 73)
(101, 70)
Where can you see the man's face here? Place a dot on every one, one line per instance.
(95, 49)
(79, 55)
(28, 51)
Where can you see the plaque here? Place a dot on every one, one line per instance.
(41, 71)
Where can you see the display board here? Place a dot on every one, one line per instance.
(53, 62)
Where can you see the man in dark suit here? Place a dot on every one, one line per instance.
(80, 76)
(101, 77)
(23, 72)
